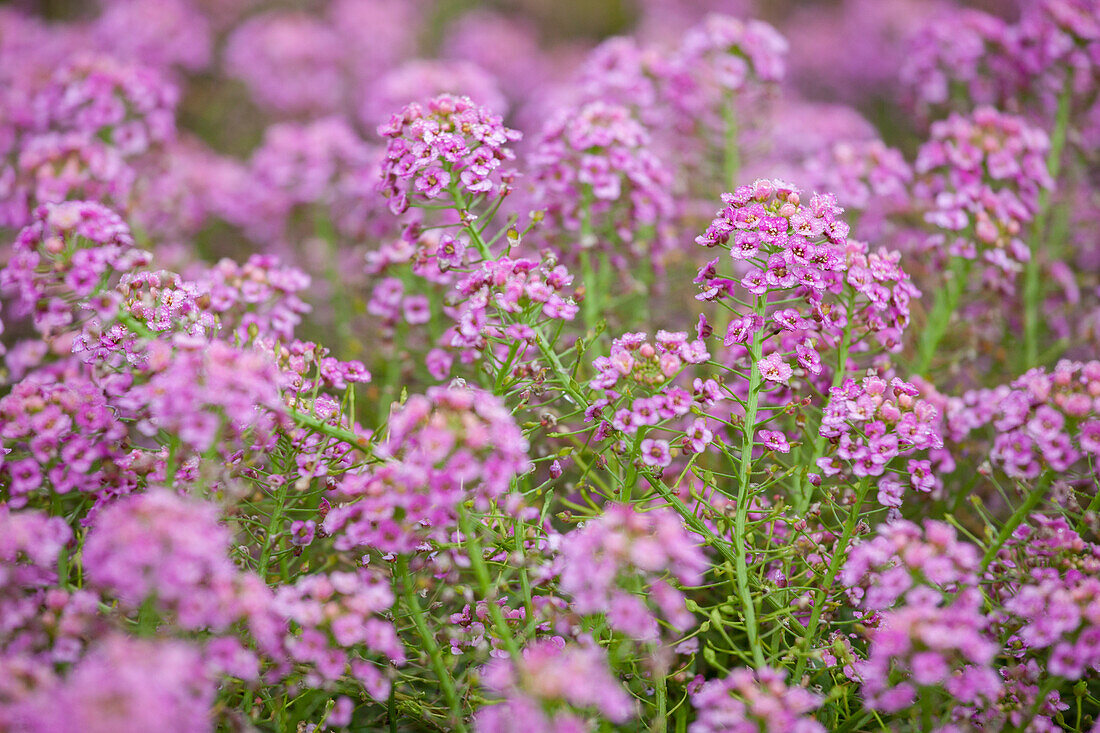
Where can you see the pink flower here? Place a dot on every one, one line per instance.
(775, 440)
(774, 369)
(697, 437)
(655, 453)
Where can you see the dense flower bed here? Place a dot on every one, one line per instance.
(414, 365)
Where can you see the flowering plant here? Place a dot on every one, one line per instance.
(397, 365)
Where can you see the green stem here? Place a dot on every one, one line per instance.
(474, 232)
(632, 469)
(481, 571)
(732, 151)
(591, 305)
(338, 300)
(740, 536)
(563, 374)
(450, 693)
(660, 725)
(274, 527)
(696, 524)
(592, 295)
(1094, 505)
(342, 434)
(1018, 517)
(1032, 280)
(172, 463)
(804, 497)
(947, 302)
(835, 564)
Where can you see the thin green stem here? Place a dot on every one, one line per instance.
(830, 576)
(1032, 281)
(744, 498)
(471, 229)
(485, 585)
(1034, 497)
(592, 295)
(696, 524)
(803, 500)
(274, 527)
(731, 160)
(412, 602)
(660, 724)
(338, 298)
(947, 302)
(591, 305)
(1091, 509)
(172, 463)
(342, 434)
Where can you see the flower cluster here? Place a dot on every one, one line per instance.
(1050, 610)
(323, 163)
(783, 243)
(623, 543)
(132, 107)
(172, 551)
(452, 147)
(638, 379)
(498, 292)
(125, 684)
(175, 193)
(212, 396)
(723, 55)
(552, 672)
(43, 625)
(159, 302)
(426, 79)
(289, 61)
(1043, 420)
(881, 296)
(57, 438)
(261, 297)
(594, 173)
(904, 560)
(306, 367)
(924, 646)
(1062, 615)
(874, 421)
(960, 56)
(747, 700)
(444, 447)
(622, 72)
(1057, 49)
(68, 252)
(337, 614)
(163, 34)
(981, 177)
(52, 167)
(786, 250)
(351, 407)
(636, 362)
(866, 176)
(508, 60)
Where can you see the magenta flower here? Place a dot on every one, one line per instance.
(697, 436)
(774, 440)
(655, 453)
(774, 369)
(429, 145)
